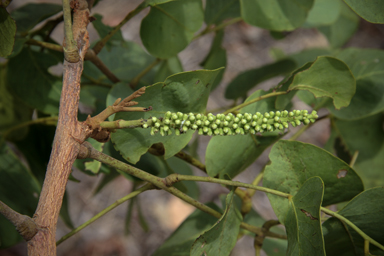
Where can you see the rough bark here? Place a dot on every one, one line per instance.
(69, 135)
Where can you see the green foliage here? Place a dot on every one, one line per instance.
(303, 219)
(7, 33)
(343, 85)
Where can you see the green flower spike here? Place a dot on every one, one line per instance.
(228, 124)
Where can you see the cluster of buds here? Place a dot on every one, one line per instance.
(229, 124)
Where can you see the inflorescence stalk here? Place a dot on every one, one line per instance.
(228, 124)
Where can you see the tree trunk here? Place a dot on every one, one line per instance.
(69, 134)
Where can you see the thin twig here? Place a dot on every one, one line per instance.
(136, 79)
(146, 187)
(354, 158)
(208, 30)
(91, 56)
(23, 223)
(272, 94)
(100, 44)
(71, 53)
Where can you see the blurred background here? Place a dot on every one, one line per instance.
(247, 47)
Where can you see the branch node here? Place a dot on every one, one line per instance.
(171, 179)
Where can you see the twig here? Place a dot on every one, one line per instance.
(71, 53)
(259, 240)
(23, 223)
(146, 187)
(87, 151)
(91, 56)
(353, 226)
(208, 30)
(100, 44)
(50, 46)
(354, 158)
(272, 94)
(136, 79)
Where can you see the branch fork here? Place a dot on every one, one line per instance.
(102, 134)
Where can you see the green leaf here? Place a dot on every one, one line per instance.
(366, 211)
(185, 92)
(327, 77)
(370, 10)
(7, 33)
(180, 242)
(94, 165)
(217, 11)
(125, 60)
(169, 27)
(29, 80)
(29, 15)
(367, 66)
(303, 220)
(12, 110)
(222, 237)
(216, 58)
(323, 13)
(277, 15)
(233, 154)
(309, 55)
(168, 67)
(294, 162)
(244, 82)
(19, 190)
(17, 47)
(366, 136)
(339, 32)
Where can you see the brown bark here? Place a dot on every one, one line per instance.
(69, 134)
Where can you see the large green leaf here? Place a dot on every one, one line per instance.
(180, 242)
(169, 27)
(184, 92)
(303, 220)
(366, 211)
(7, 33)
(366, 136)
(277, 15)
(339, 32)
(244, 82)
(294, 162)
(323, 12)
(29, 15)
(19, 189)
(217, 11)
(327, 77)
(233, 154)
(371, 10)
(222, 237)
(125, 60)
(216, 58)
(367, 65)
(29, 80)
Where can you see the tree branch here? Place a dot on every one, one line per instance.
(131, 195)
(87, 151)
(71, 53)
(23, 223)
(91, 56)
(69, 133)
